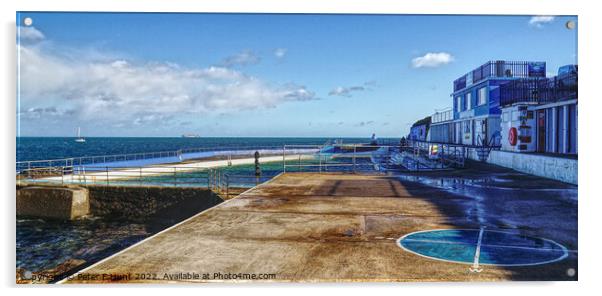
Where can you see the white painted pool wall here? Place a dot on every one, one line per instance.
(557, 168)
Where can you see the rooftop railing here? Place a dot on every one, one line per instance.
(539, 91)
(501, 69)
(442, 116)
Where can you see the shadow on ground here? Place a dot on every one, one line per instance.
(501, 199)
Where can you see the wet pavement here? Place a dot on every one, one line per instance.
(505, 199)
(308, 227)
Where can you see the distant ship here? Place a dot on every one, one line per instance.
(191, 136)
(79, 138)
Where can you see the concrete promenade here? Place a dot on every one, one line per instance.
(308, 227)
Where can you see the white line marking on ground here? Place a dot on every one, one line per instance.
(477, 253)
(564, 250)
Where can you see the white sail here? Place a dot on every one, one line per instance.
(79, 138)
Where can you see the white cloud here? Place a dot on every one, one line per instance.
(432, 59)
(540, 20)
(40, 112)
(365, 123)
(30, 34)
(116, 90)
(347, 91)
(243, 58)
(280, 52)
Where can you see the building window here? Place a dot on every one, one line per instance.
(505, 117)
(468, 101)
(458, 104)
(482, 96)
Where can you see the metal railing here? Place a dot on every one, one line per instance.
(119, 176)
(226, 183)
(217, 180)
(501, 69)
(151, 158)
(350, 158)
(335, 157)
(539, 91)
(446, 156)
(373, 158)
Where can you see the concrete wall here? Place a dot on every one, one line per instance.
(144, 203)
(162, 204)
(53, 202)
(557, 168)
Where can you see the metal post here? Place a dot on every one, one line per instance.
(320, 161)
(208, 187)
(85, 181)
(284, 158)
(107, 175)
(354, 151)
(219, 181)
(227, 187)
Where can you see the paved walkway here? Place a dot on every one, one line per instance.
(307, 227)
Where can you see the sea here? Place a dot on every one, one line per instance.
(44, 244)
(46, 148)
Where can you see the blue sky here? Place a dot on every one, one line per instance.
(123, 74)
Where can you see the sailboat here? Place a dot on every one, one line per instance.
(79, 138)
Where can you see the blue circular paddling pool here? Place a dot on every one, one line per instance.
(482, 247)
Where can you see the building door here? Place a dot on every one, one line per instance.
(550, 131)
(541, 131)
(458, 139)
(560, 129)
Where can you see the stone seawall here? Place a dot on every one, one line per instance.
(107, 219)
(139, 204)
(144, 203)
(53, 202)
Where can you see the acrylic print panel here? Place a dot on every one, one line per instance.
(196, 147)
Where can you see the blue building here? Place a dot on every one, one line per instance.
(541, 115)
(476, 102)
(512, 105)
(420, 129)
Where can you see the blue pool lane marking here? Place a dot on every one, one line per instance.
(481, 247)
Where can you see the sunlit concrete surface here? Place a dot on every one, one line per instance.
(309, 227)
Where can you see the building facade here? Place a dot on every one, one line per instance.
(420, 130)
(476, 99)
(476, 102)
(541, 115)
(442, 127)
(512, 105)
